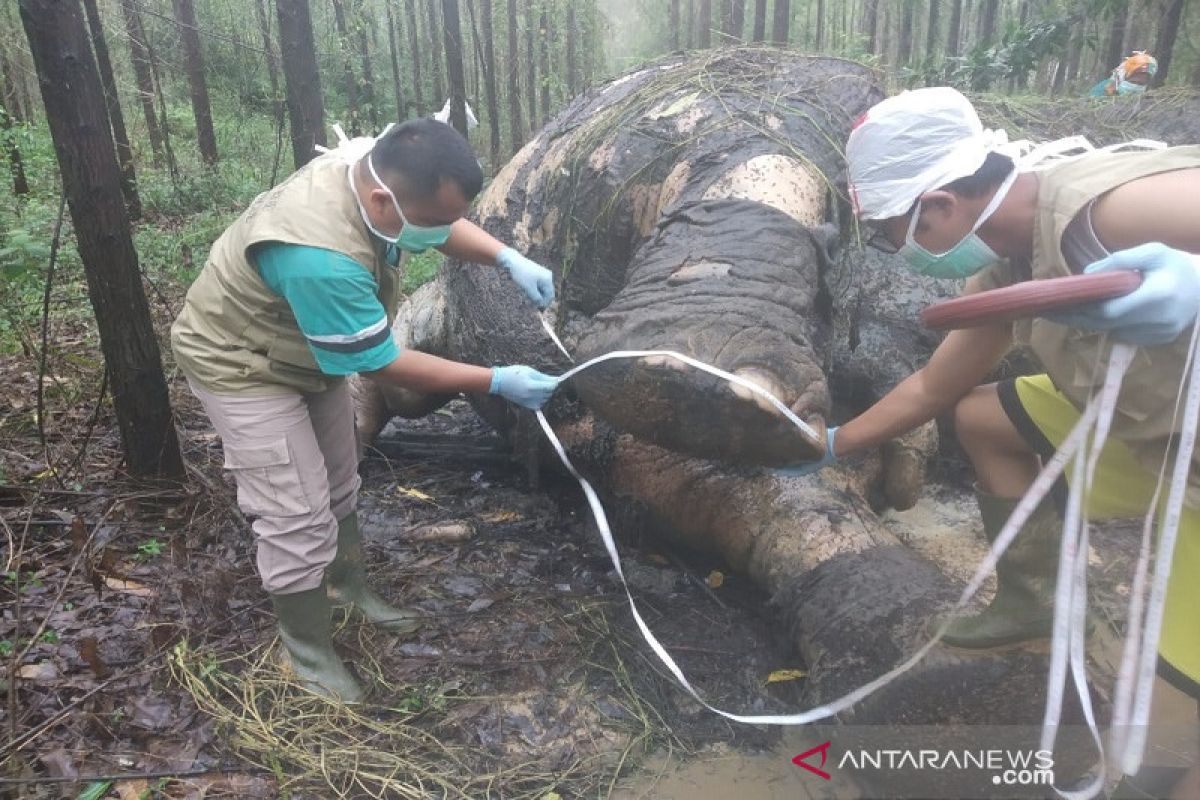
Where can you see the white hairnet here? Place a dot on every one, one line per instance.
(911, 143)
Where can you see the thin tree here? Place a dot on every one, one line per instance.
(74, 101)
(368, 73)
(726, 17)
(673, 22)
(1164, 42)
(454, 65)
(16, 164)
(189, 32)
(113, 104)
(544, 60)
(516, 127)
(272, 58)
(933, 30)
(1114, 49)
(870, 23)
(704, 24)
(572, 55)
(739, 18)
(760, 20)
(439, 88)
(140, 56)
(531, 86)
(782, 23)
(691, 24)
(989, 12)
(10, 95)
(306, 111)
(952, 34)
(410, 14)
(904, 45)
(349, 80)
(489, 78)
(397, 86)
(821, 34)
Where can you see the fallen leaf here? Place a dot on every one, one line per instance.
(439, 532)
(133, 790)
(128, 587)
(480, 605)
(79, 534)
(59, 763)
(715, 579)
(416, 494)
(42, 671)
(498, 517)
(89, 651)
(781, 675)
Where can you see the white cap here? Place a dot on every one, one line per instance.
(911, 143)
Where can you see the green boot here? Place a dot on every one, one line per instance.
(1026, 574)
(307, 634)
(348, 583)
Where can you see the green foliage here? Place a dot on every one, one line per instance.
(420, 269)
(148, 550)
(95, 790)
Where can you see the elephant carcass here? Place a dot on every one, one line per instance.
(685, 207)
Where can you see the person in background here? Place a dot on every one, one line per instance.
(1131, 76)
(299, 292)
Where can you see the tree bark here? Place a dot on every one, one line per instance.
(673, 22)
(760, 20)
(302, 81)
(934, 29)
(74, 100)
(368, 72)
(782, 23)
(516, 127)
(544, 55)
(1164, 42)
(414, 47)
(739, 19)
(725, 16)
(16, 164)
(1114, 51)
(531, 66)
(439, 89)
(821, 32)
(349, 81)
(489, 78)
(871, 25)
(397, 86)
(189, 33)
(988, 15)
(704, 24)
(116, 119)
(454, 66)
(11, 97)
(952, 34)
(572, 64)
(272, 57)
(140, 57)
(904, 46)
(690, 24)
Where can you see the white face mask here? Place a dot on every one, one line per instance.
(412, 238)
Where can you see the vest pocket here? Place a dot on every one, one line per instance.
(268, 482)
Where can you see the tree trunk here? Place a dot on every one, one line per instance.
(673, 22)
(691, 24)
(572, 63)
(112, 103)
(301, 78)
(516, 127)
(544, 54)
(489, 78)
(189, 33)
(760, 20)
(822, 34)
(952, 34)
(871, 25)
(1164, 42)
(904, 46)
(781, 25)
(16, 165)
(531, 66)
(368, 73)
(397, 86)
(140, 57)
(934, 30)
(739, 19)
(454, 66)
(988, 14)
(435, 38)
(704, 24)
(272, 56)
(11, 95)
(348, 80)
(414, 47)
(725, 17)
(1114, 49)
(74, 100)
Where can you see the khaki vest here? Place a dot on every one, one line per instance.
(1075, 360)
(234, 334)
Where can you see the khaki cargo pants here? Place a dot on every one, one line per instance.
(295, 461)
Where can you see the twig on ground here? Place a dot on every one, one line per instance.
(42, 353)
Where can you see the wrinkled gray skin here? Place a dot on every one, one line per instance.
(692, 206)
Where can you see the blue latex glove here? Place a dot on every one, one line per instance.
(536, 280)
(524, 386)
(1154, 313)
(809, 467)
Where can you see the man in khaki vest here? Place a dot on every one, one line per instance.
(299, 292)
(931, 184)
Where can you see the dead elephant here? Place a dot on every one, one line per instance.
(693, 206)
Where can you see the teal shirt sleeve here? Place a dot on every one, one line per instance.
(334, 300)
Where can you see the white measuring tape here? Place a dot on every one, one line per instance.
(1068, 650)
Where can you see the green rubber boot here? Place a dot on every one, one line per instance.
(307, 634)
(348, 583)
(1026, 574)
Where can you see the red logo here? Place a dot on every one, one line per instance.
(800, 762)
